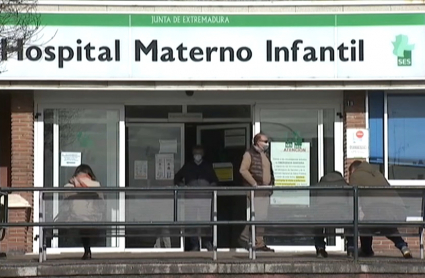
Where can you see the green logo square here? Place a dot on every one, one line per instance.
(403, 51)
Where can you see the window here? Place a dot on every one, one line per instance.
(406, 135)
(405, 150)
(376, 129)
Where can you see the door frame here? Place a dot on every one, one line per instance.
(39, 169)
(246, 126)
(182, 156)
(338, 154)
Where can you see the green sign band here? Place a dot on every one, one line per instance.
(205, 20)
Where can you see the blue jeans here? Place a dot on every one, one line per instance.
(366, 241)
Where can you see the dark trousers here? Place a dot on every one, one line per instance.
(86, 244)
(194, 243)
(319, 241)
(86, 235)
(367, 241)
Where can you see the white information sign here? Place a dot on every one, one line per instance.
(70, 159)
(141, 170)
(233, 47)
(357, 143)
(291, 167)
(164, 166)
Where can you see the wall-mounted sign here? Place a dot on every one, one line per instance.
(70, 159)
(221, 47)
(357, 143)
(291, 167)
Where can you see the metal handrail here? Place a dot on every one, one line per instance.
(211, 189)
(353, 223)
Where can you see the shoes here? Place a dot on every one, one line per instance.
(350, 253)
(246, 245)
(86, 256)
(406, 252)
(321, 253)
(366, 254)
(264, 249)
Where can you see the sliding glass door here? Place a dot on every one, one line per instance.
(74, 136)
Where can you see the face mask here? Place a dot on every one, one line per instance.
(197, 157)
(266, 147)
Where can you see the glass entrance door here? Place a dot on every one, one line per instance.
(74, 136)
(312, 130)
(154, 154)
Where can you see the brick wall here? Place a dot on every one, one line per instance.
(16, 240)
(19, 240)
(355, 117)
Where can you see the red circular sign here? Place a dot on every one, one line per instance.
(359, 134)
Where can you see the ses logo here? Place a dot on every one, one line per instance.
(403, 51)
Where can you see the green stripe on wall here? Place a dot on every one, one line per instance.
(141, 20)
(239, 20)
(102, 20)
(380, 19)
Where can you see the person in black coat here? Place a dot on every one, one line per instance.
(330, 205)
(198, 173)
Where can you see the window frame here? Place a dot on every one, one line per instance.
(395, 182)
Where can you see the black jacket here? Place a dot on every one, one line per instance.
(192, 174)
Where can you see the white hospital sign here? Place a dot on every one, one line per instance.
(221, 47)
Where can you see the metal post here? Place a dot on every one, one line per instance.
(40, 228)
(43, 209)
(356, 224)
(215, 226)
(252, 247)
(175, 206)
(421, 242)
(6, 208)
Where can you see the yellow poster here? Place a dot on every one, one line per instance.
(224, 171)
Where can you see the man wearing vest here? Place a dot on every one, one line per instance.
(256, 170)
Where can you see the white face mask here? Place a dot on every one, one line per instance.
(265, 147)
(197, 157)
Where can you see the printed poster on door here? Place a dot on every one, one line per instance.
(164, 166)
(291, 167)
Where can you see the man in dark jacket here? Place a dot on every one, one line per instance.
(197, 172)
(378, 205)
(335, 205)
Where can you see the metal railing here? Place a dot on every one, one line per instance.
(354, 222)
